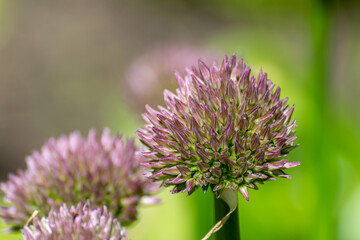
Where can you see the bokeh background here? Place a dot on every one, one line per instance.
(66, 65)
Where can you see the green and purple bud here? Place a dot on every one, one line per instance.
(71, 169)
(80, 222)
(224, 128)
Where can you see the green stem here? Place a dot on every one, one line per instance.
(321, 142)
(231, 229)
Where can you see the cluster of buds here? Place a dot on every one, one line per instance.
(80, 223)
(224, 128)
(72, 169)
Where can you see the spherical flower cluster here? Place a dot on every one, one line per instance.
(76, 223)
(222, 129)
(152, 72)
(71, 169)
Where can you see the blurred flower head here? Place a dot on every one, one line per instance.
(70, 169)
(151, 73)
(222, 129)
(79, 222)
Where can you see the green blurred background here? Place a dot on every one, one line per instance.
(63, 64)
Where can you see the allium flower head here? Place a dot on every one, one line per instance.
(76, 223)
(153, 71)
(71, 169)
(222, 129)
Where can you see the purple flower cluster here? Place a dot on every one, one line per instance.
(76, 223)
(71, 169)
(224, 128)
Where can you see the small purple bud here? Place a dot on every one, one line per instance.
(243, 190)
(219, 187)
(214, 142)
(224, 158)
(184, 170)
(291, 164)
(216, 172)
(176, 180)
(174, 171)
(203, 166)
(253, 186)
(243, 168)
(280, 173)
(255, 142)
(190, 186)
(244, 123)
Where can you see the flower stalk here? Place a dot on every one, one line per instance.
(231, 229)
(226, 214)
